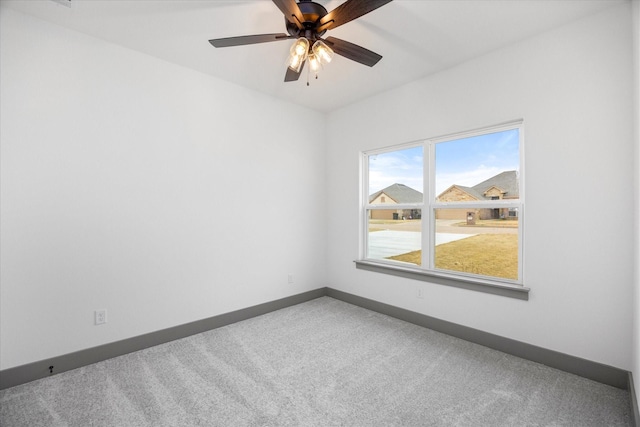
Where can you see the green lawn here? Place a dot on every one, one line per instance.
(486, 254)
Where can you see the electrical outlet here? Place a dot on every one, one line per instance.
(420, 293)
(100, 316)
(290, 278)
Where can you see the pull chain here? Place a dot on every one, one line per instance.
(308, 71)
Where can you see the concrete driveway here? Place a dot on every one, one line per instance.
(386, 243)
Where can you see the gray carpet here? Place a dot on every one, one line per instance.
(321, 363)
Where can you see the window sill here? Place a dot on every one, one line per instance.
(479, 285)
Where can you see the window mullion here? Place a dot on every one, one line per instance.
(463, 196)
(428, 222)
(364, 220)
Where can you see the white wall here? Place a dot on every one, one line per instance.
(636, 114)
(571, 87)
(131, 184)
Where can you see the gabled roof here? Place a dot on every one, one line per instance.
(506, 181)
(400, 193)
(469, 190)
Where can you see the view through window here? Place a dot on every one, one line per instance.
(451, 204)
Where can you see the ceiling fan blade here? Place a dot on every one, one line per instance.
(292, 76)
(348, 11)
(291, 12)
(244, 40)
(353, 51)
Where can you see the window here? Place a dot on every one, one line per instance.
(449, 206)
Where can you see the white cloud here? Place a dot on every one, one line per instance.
(379, 180)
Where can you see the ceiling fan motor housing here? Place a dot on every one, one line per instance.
(312, 12)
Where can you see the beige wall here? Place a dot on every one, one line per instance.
(383, 199)
(384, 213)
(454, 194)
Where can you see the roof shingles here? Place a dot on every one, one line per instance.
(400, 193)
(506, 181)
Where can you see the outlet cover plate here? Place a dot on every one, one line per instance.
(100, 317)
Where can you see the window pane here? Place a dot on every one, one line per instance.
(396, 177)
(395, 234)
(483, 167)
(473, 241)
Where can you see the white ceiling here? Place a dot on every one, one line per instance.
(415, 37)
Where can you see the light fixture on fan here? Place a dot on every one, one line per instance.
(323, 52)
(319, 55)
(307, 21)
(298, 54)
(314, 64)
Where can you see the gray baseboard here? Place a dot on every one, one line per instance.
(585, 368)
(633, 401)
(595, 371)
(32, 371)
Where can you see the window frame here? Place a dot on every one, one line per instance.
(427, 270)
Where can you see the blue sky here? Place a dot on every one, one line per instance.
(402, 167)
(466, 162)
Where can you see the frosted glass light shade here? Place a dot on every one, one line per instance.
(298, 54)
(323, 53)
(314, 64)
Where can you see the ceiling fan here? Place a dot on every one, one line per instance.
(306, 22)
